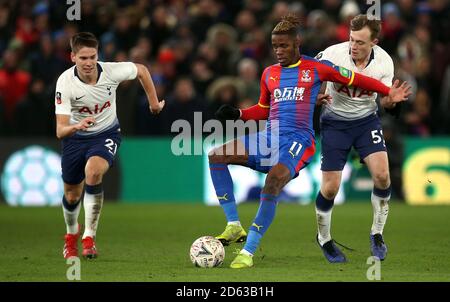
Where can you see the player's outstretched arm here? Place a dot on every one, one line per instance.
(64, 129)
(147, 83)
(397, 93)
(329, 72)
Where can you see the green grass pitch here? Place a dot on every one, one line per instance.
(150, 242)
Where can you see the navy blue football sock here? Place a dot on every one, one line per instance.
(69, 206)
(324, 204)
(382, 193)
(94, 189)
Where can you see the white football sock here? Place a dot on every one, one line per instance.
(234, 223)
(245, 252)
(323, 225)
(92, 209)
(380, 213)
(71, 219)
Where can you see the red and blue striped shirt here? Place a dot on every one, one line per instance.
(288, 94)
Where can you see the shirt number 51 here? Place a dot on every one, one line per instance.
(378, 138)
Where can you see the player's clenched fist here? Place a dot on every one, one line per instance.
(157, 109)
(85, 123)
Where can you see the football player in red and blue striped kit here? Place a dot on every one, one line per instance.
(288, 95)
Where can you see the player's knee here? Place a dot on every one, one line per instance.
(330, 189)
(217, 156)
(214, 158)
(72, 197)
(93, 176)
(381, 179)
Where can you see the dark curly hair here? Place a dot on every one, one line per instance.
(289, 24)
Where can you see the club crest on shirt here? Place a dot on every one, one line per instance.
(58, 98)
(305, 76)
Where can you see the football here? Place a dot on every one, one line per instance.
(207, 252)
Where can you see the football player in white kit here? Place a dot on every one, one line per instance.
(87, 124)
(349, 119)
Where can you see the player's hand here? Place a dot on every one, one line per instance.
(323, 99)
(399, 93)
(227, 112)
(85, 123)
(158, 108)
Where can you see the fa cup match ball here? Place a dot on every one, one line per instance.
(207, 251)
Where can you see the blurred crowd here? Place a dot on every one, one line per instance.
(204, 53)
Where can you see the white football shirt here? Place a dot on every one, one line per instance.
(351, 103)
(80, 100)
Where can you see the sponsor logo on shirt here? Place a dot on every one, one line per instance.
(288, 94)
(96, 109)
(353, 92)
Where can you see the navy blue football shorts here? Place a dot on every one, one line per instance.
(338, 137)
(292, 150)
(77, 149)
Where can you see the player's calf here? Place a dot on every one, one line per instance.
(276, 179)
